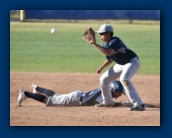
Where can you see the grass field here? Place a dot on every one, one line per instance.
(34, 49)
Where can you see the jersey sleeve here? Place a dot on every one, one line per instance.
(108, 58)
(115, 44)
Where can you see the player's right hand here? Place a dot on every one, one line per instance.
(99, 70)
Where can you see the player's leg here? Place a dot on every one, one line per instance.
(71, 99)
(129, 70)
(105, 80)
(42, 90)
(24, 94)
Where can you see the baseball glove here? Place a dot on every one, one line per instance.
(89, 35)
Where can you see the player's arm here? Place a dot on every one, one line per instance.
(105, 64)
(106, 51)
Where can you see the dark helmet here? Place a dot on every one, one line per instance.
(117, 86)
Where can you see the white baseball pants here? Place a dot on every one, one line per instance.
(125, 72)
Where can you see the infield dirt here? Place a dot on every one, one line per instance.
(33, 113)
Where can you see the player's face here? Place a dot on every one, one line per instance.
(105, 36)
(117, 94)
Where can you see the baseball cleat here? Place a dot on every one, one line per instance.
(34, 86)
(105, 105)
(21, 97)
(138, 108)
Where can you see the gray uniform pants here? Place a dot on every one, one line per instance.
(125, 72)
(72, 98)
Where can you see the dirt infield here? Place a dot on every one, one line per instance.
(33, 113)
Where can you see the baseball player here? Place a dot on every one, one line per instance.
(76, 98)
(127, 64)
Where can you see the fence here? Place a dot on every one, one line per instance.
(93, 14)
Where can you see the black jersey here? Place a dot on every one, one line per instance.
(122, 54)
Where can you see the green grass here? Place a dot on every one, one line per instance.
(34, 49)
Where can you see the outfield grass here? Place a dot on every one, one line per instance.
(34, 49)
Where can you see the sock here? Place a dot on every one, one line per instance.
(45, 91)
(35, 96)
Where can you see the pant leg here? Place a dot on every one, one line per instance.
(71, 99)
(129, 70)
(105, 80)
(45, 91)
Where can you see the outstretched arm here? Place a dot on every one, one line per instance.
(106, 51)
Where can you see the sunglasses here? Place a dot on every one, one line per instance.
(102, 33)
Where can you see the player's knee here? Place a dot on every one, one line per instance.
(103, 81)
(125, 82)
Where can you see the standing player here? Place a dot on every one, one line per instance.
(76, 98)
(127, 64)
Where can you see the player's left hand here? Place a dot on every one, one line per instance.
(89, 36)
(92, 41)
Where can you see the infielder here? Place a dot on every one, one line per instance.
(127, 64)
(76, 98)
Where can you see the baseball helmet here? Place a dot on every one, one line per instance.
(117, 86)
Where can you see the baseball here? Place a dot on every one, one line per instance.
(53, 30)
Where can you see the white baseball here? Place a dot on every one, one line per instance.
(53, 30)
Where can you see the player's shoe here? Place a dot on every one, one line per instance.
(34, 86)
(21, 97)
(105, 105)
(138, 108)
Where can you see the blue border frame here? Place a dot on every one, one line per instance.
(44, 132)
